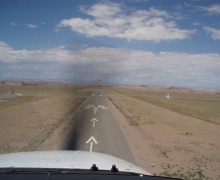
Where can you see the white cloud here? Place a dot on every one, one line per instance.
(113, 66)
(13, 23)
(31, 26)
(4, 46)
(103, 10)
(214, 33)
(212, 10)
(113, 20)
(195, 23)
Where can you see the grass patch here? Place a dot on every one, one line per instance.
(18, 100)
(202, 106)
(34, 93)
(188, 175)
(49, 130)
(208, 110)
(44, 109)
(172, 170)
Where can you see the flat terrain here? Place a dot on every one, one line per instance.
(177, 137)
(28, 121)
(165, 136)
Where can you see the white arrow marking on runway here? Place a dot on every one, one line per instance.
(89, 106)
(102, 107)
(91, 140)
(94, 120)
(95, 109)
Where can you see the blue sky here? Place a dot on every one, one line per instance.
(132, 42)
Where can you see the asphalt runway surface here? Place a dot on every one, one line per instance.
(97, 130)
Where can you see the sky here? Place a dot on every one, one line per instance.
(127, 42)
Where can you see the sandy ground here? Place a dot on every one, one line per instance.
(37, 125)
(164, 142)
(168, 143)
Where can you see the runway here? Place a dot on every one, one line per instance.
(97, 130)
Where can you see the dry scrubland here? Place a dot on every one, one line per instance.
(27, 121)
(177, 137)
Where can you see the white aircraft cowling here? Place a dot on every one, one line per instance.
(67, 160)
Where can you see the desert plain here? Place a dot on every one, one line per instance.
(176, 137)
